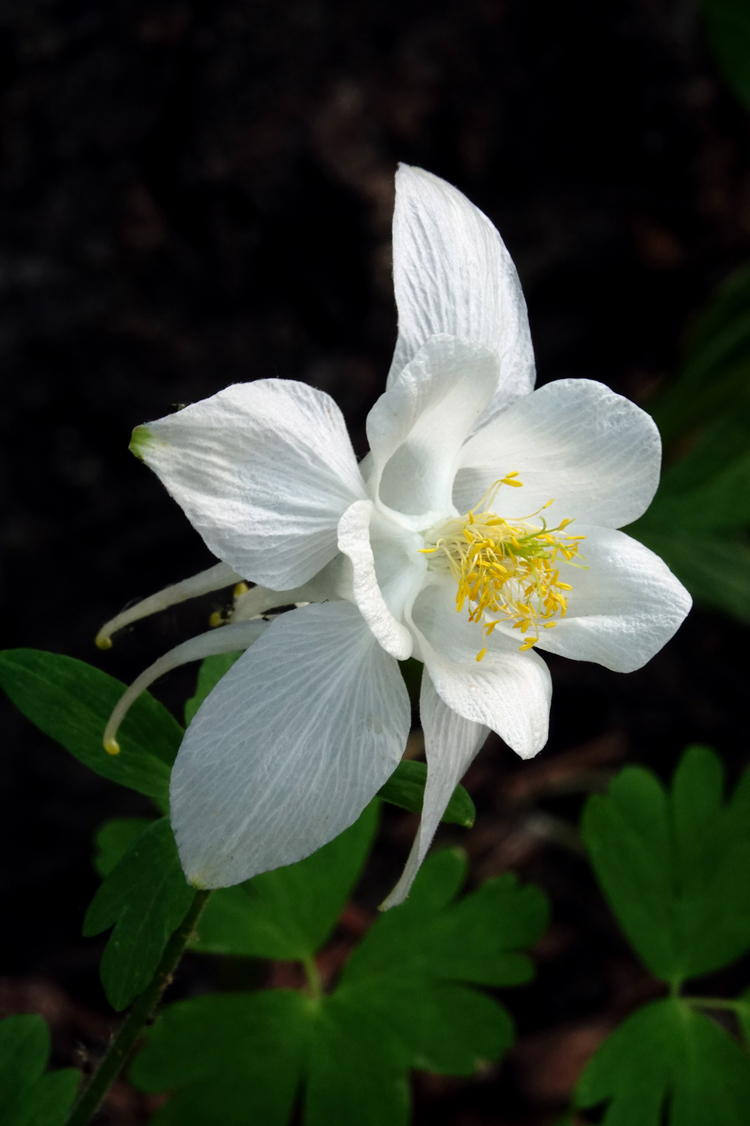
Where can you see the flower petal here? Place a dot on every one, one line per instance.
(451, 744)
(263, 471)
(354, 542)
(622, 609)
(508, 691)
(418, 426)
(289, 747)
(595, 452)
(452, 274)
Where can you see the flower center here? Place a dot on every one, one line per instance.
(507, 571)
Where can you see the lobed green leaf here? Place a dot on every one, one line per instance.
(402, 1002)
(668, 1059)
(674, 866)
(146, 897)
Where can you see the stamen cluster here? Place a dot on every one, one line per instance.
(506, 571)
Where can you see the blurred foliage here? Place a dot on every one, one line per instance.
(728, 24)
(29, 1096)
(699, 519)
(673, 866)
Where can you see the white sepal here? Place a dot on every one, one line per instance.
(451, 744)
(289, 747)
(452, 274)
(264, 472)
(595, 453)
(622, 609)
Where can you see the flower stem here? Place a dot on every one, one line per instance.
(121, 1047)
(314, 980)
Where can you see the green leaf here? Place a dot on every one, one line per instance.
(402, 1002)
(674, 866)
(412, 968)
(28, 1096)
(211, 670)
(290, 912)
(357, 1071)
(114, 838)
(667, 1055)
(71, 702)
(146, 897)
(405, 788)
(729, 31)
(241, 1054)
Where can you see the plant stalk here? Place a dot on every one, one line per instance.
(121, 1047)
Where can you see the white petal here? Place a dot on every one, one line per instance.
(289, 747)
(263, 471)
(595, 452)
(227, 639)
(622, 609)
(417, 428)
(354, 542)
(452, 274)
(451, 744)
(508, 691)
(214, 578)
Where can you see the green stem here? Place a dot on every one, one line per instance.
(714, 1003)
(314, 980)
(124, 1042)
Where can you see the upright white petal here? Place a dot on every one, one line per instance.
(418, 426)
(452, 274)
(289, 747)
(354, 542)
(263, 471)
(451, 743)
(595, 452)
(622, 609)
(507, 691)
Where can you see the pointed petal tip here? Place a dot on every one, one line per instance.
(140, 441)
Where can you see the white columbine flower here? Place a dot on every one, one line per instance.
(481, 527)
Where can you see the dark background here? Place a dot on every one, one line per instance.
(194, 194)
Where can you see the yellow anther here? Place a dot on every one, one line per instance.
(505, 569)
(111, 746)
(482, 653)
(216, 619)
(240, 589)
(103, 641)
